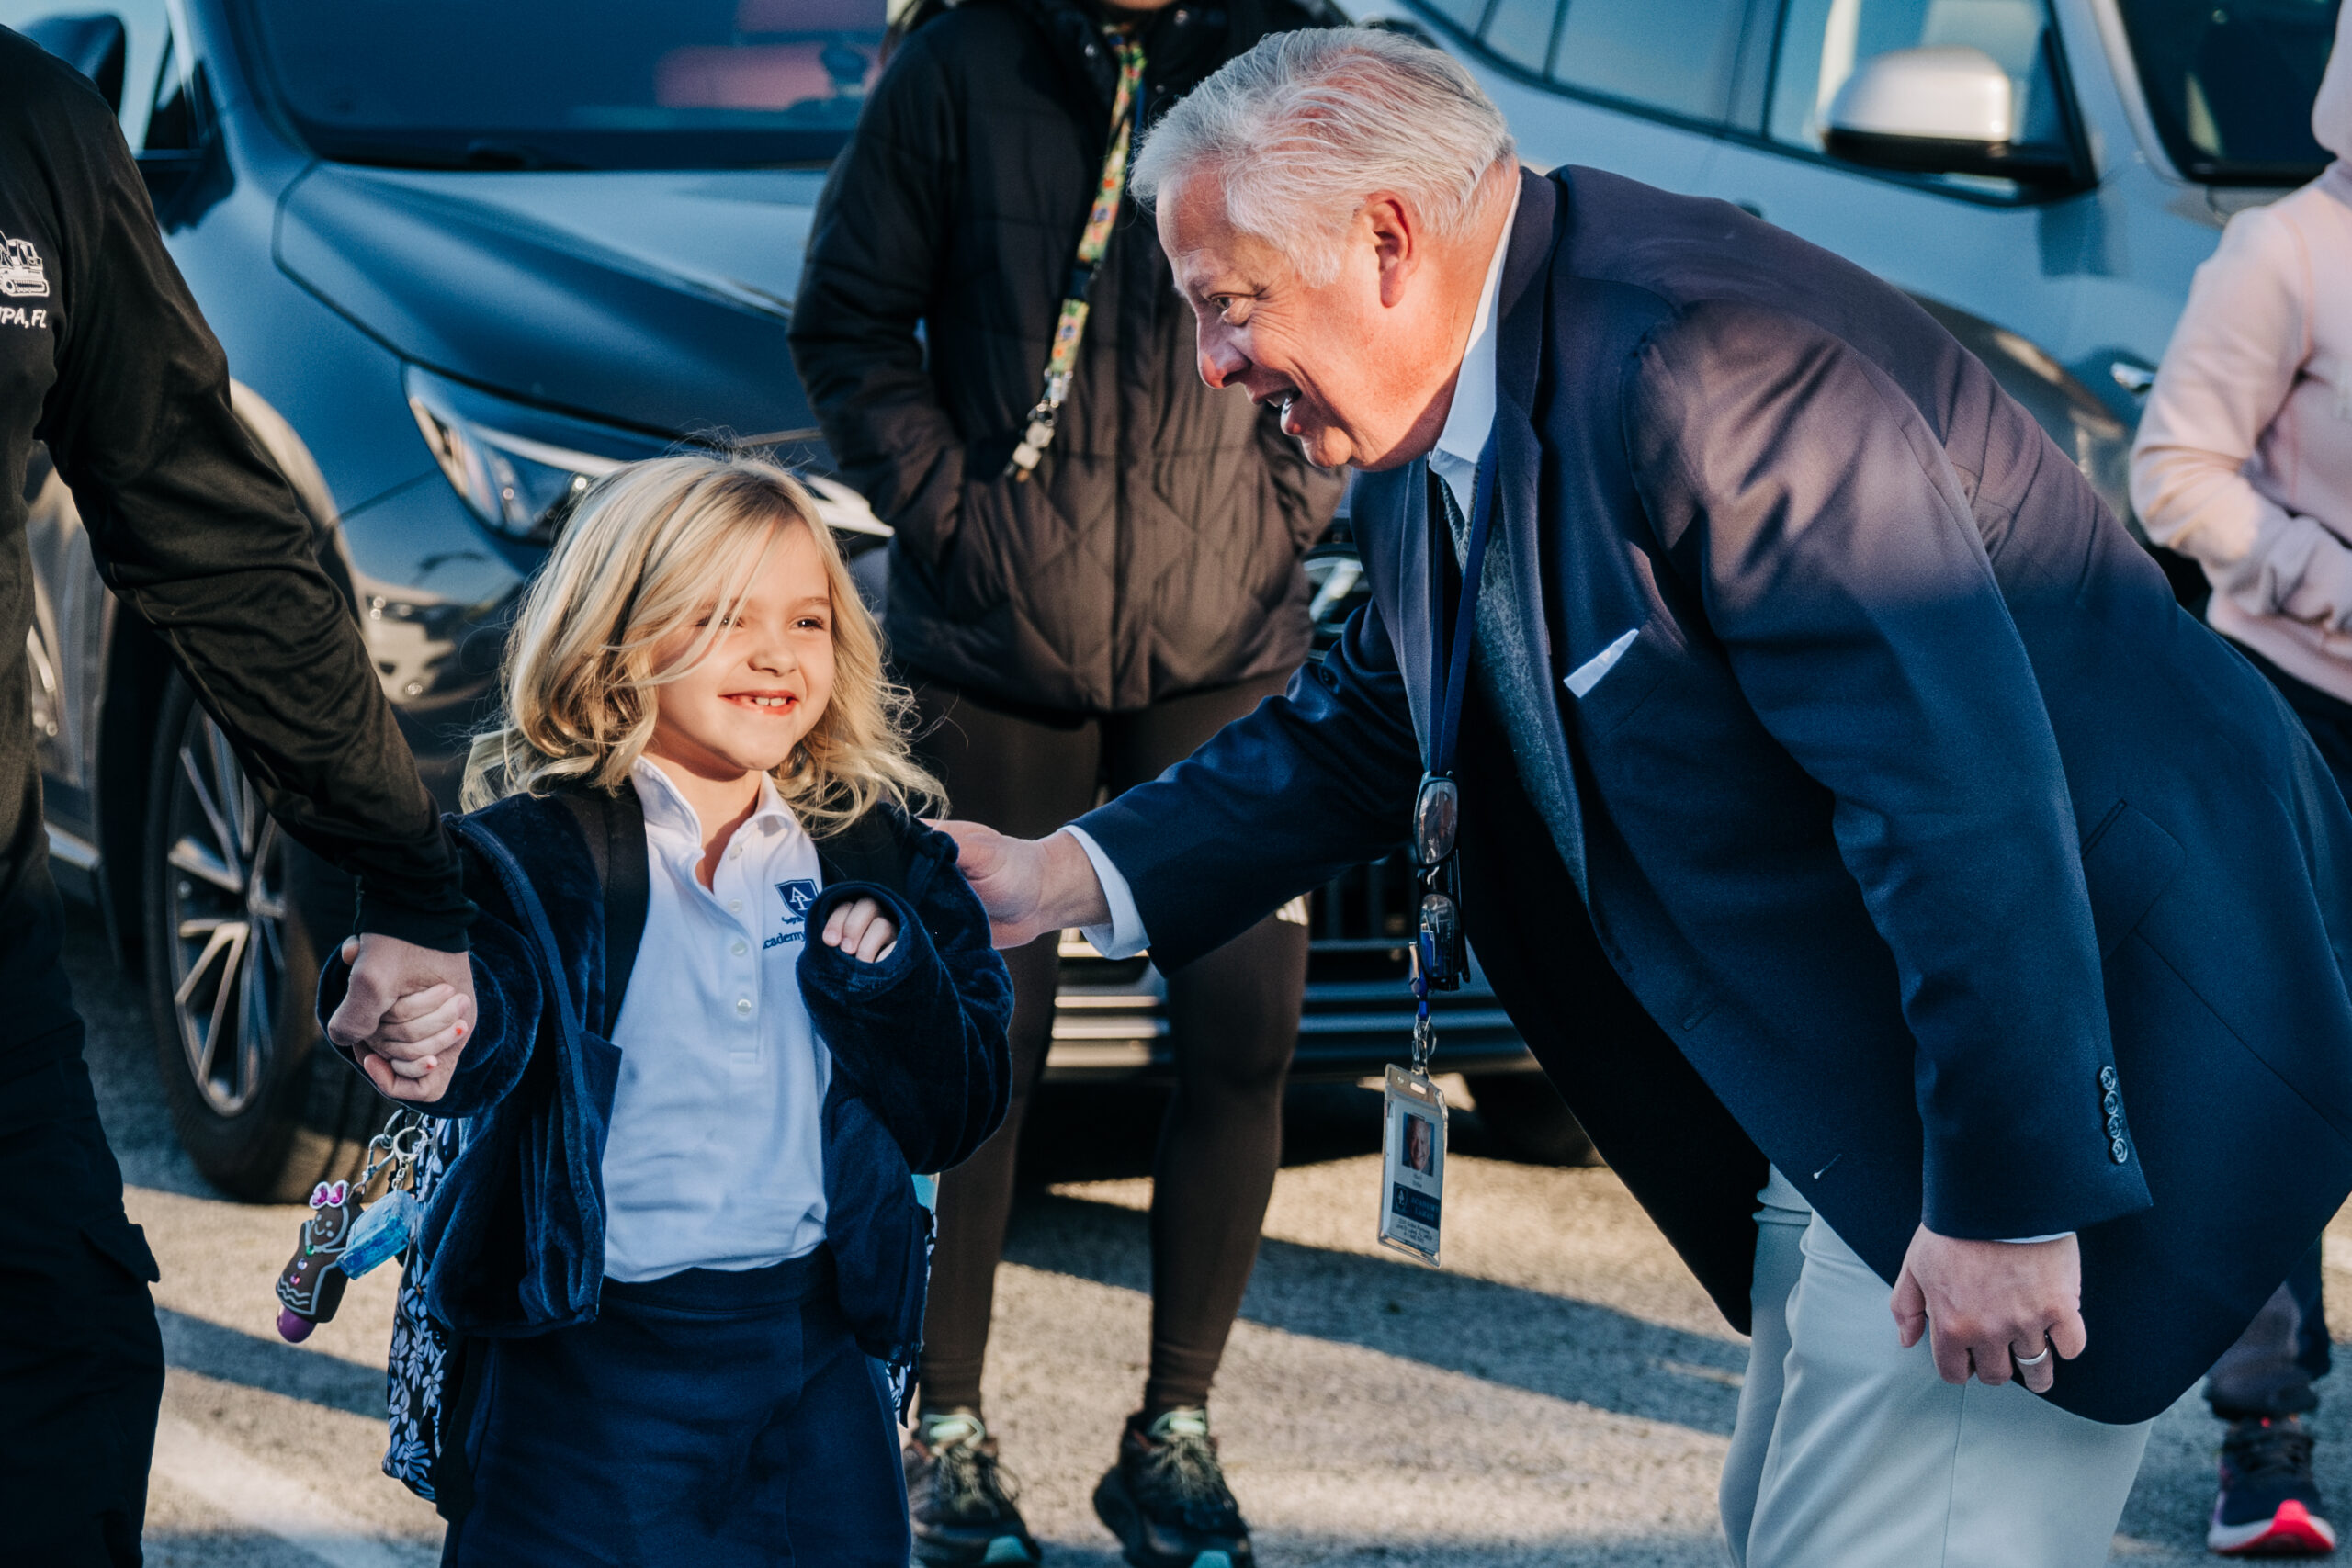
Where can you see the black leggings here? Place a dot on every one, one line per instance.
(1233, 1018)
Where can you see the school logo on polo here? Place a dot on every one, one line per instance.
(799, 897)
(21, 274)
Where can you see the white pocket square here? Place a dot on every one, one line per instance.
(1586, 676)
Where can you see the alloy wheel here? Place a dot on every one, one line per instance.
(225, 906)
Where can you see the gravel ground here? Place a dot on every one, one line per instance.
(1560, 1394)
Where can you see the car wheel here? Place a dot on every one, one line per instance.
(1531, 1121)
(264, 1108)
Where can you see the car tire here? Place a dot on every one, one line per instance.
(1528, 1118)
(264, 1108)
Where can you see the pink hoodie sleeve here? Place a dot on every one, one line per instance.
(2233, 358)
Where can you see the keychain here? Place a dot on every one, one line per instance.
(387, 1226)
(340, 1241)
(1412, 1162)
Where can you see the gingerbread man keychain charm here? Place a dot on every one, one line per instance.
(310, 1287)
(340, 1241)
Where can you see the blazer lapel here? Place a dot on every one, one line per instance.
(1520, 525)
(1519, 302)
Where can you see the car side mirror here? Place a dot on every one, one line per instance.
(95, 45)
(1940, 110)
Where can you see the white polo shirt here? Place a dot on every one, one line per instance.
(714, 1158)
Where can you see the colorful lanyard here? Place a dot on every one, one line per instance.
(1070, 330)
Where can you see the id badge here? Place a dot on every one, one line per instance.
(1412, 1165)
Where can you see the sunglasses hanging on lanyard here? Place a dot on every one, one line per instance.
(1413, 1156)
(1069, 329)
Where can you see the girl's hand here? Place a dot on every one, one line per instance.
(407, 1013)
(862, 930)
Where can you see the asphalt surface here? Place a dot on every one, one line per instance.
(1561, 1393)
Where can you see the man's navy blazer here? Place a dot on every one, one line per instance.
(1924, 844)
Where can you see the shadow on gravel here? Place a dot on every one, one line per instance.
(229, 1547)
(1548, 1345)
(233, 1355)
(1563, 1551)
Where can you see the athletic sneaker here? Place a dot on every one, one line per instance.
(959, 1499)
(1166, 1501)
(2270, 1504)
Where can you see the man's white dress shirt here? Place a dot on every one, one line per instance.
(716, 1157)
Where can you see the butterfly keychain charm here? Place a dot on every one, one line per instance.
(341, 1240)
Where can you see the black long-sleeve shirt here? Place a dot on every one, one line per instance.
(104, 356)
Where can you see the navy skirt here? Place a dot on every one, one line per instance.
(704, 1420)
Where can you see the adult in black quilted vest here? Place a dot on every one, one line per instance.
(1087, 627)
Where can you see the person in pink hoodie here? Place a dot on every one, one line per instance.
(2244, 460)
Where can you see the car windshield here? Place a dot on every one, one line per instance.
(571, 84)
(2230, 85)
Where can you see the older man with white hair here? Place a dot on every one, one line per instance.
(1900, 888)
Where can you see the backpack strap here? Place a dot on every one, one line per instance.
(613, 823)
(533, 914)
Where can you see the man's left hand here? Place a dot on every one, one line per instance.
(1988, 1305)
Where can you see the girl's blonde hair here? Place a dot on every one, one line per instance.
(651, 549)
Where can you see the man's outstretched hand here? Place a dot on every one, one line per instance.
(1029, 886)
(407, 1013)
(1987, 1305)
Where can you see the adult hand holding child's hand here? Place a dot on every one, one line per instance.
(862, 930)
(405, 1016)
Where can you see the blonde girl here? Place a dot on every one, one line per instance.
(681, 1251)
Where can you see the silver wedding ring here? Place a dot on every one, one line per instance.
(2024, 1362)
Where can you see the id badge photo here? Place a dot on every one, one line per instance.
(1412, 1166)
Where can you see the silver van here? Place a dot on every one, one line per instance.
(2043, 175)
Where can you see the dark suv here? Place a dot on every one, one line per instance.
(465, 255)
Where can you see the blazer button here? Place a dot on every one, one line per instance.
(2113, 1104)
(2119, 1151)
(2115, 1126)
(2106, 1077)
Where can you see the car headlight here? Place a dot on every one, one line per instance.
(522, 469)
(518, 468)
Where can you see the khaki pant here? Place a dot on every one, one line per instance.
(1852, 1452)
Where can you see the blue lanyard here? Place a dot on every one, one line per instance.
(1449, 685)
(1450, 652)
